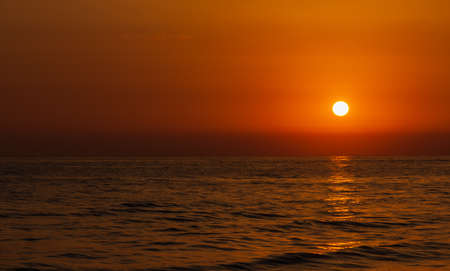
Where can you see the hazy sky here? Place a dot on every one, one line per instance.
(154, 74)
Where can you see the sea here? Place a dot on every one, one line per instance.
(225, 213)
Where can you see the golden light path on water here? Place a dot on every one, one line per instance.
(341, 200)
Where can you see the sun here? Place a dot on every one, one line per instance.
(340, 108)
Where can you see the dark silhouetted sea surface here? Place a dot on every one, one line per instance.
(324, 213)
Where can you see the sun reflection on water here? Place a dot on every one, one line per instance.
(335, 246)
(342, 202)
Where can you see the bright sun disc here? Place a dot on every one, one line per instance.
(340, 108)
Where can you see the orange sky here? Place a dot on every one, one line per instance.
(141, 70)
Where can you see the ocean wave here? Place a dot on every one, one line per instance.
(361, 257)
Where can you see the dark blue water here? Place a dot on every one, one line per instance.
(325, 213)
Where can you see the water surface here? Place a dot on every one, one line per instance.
(316, 213)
